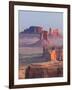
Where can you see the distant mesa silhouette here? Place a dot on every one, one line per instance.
(39, 30)
(33, 29)
(53, 36)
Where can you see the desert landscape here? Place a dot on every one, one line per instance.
(35, 55)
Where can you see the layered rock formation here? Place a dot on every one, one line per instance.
(45, 70)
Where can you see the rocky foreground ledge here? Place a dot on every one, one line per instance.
(42, 70)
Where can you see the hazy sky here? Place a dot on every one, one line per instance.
(40, 18)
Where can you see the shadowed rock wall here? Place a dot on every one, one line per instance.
(44, 70)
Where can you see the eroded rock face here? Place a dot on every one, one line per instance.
(22, 69)
(45, 70)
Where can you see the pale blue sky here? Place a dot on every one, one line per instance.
(40, 18)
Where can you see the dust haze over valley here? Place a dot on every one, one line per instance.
(31, 49)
